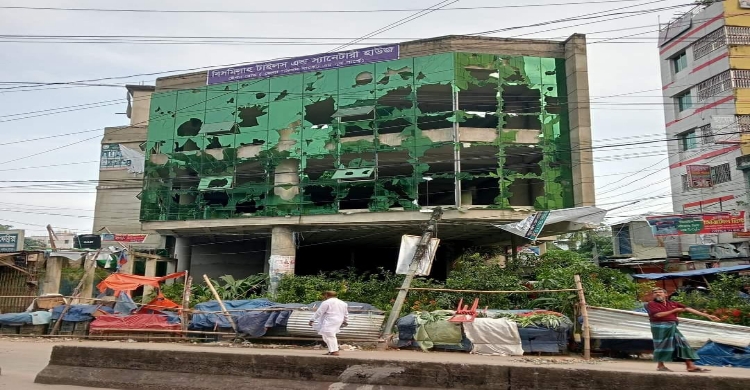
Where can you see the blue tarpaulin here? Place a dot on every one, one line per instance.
(697, 272)
(78, 313)
(214, 317)
(722, 355)
(255, 323)
(14, 319)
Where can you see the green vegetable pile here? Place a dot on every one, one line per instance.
(542, 319)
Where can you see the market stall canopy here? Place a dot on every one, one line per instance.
(697, 272)
(550, 223)
(128, 282)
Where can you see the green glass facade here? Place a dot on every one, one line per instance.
(483, 130)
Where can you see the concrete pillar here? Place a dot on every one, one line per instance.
(52, 275)
(283, 252)
(579, 114)
(87, 288)
(171, 268)
(183, 251)
(150, 272)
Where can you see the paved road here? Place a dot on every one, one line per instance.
(21, 361)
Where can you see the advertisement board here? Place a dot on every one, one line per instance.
(679, 224)
(699, 176)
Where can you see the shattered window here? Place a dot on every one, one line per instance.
(470, 129)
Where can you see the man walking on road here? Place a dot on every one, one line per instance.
(330, 317)
(669, 343)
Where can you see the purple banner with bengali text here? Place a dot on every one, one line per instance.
(296, 65)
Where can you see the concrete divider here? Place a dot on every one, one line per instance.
(143, 369)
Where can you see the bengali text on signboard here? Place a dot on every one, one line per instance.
(296, 65)
(671, 225)
(699, 176)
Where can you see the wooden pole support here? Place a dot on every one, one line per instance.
(186, 301)
(585, 315)
(221, 303)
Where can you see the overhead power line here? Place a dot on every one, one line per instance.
(308, 11)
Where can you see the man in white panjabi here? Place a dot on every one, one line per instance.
(328, 320)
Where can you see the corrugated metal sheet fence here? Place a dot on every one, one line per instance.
(362, 327)
(13, 283)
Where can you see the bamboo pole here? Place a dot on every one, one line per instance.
(585, 315)
(186, 301)
(490, 292)
(221, 303)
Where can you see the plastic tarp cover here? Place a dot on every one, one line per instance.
(688, 274)
(14, 319)
(129, 282)
(535, 339)
(135, 321)
(208, 315)
(723, 355)
(438, 333)
(78, 313)
(491, 336)
(256, 323)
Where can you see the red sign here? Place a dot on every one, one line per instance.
(132, 238)
(699, 176)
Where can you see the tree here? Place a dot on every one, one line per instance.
(5, 227)
(30, 244)
(603, 245)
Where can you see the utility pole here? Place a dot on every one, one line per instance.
(424, 243)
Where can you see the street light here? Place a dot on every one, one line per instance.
(427, 179)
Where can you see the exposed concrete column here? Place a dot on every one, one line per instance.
(89, 268)
(283, 255)
(183, 252)
(52, 275)
(577, 80)
(150, 272)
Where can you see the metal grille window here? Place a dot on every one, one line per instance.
(721, 174)
(707, 134)
(741, 78)
(738, 35)
(743, 123)
(711, 42)
(714, 86)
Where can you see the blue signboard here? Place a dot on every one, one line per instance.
(9, 242)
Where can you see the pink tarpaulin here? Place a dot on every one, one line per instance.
(135, 321)
(128, 282)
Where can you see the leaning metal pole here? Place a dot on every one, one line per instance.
(424, 243)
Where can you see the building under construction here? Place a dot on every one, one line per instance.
(323, 162)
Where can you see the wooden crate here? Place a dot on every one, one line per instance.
(9, 329)
(33, 329)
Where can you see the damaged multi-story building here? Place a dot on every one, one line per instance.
(323, 162)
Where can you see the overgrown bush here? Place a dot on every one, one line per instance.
(723, 300)
(603, 287)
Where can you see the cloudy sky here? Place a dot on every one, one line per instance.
(51, 133)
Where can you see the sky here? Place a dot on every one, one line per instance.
(38, 151)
